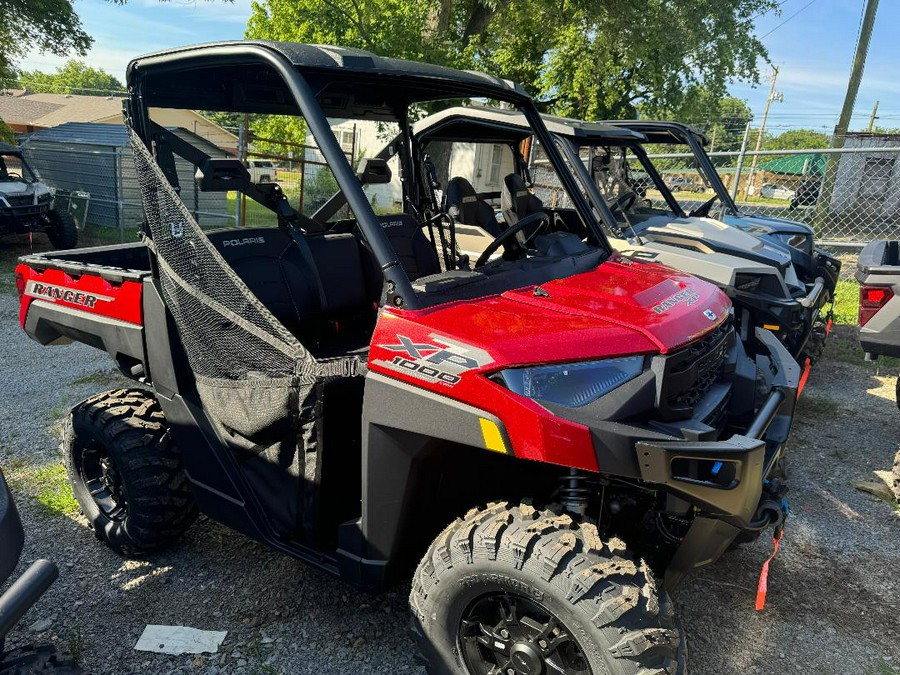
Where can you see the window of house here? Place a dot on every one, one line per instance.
(496, 162)
(346, 138)
(876, 178)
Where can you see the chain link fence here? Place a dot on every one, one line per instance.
(849, 196)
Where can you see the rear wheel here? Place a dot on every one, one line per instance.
(521, 591)
(126, 471)
(62, 230)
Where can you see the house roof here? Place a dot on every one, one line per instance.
(807, 164)
(49, 110)
(109, 135)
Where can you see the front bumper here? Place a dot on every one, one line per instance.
(737, 467)
(724, 479)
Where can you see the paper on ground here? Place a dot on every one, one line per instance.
(179, 640)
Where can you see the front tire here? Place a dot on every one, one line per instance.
(514, 589)
(62, 230)
(126, 471)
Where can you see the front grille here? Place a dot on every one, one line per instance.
(689, 373)
(20, 200)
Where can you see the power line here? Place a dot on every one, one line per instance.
(787, 19)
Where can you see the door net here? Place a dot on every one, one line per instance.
(250, 371)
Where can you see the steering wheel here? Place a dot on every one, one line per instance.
(512, 231)
(623, 202)
(14, 175)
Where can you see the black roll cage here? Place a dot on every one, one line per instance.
(399, 288)
(684, 135)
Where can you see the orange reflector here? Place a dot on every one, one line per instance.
(828, 326)
(771, 326)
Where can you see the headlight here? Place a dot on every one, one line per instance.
(798, 241)
(572, 384)
(747, 282)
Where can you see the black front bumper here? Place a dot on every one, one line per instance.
(724, 479)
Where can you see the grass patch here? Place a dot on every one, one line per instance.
(103, 377)
(817, 406)
(843, 344)
(47, 484)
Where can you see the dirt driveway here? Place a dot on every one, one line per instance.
(834, 589)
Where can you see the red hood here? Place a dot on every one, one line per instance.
(618, 309)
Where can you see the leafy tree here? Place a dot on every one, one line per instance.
(6, 134)
(797, 139)
(584, 58)
(75, 77)
(48, 25)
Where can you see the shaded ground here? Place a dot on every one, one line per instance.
(834, 589)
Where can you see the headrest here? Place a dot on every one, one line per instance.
(516, 198)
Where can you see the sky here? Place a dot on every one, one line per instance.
(812, 43)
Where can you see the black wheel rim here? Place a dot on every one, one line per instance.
(506, 634)
(104, 483)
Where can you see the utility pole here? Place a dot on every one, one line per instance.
(773, 96)
(840, 131)
(740, 163)
(873, 117)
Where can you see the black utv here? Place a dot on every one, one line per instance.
(26, 204)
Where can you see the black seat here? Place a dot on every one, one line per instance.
(415, 253)
(466, 207)
(516, 201)
(340, 268)
(272, 266)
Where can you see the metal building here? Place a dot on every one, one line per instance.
(96, 161)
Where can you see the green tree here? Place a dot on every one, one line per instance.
(585, 58)
(48, 25)
(797, 139)
(75, 77)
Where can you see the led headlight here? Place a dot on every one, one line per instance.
(797, 240)
(747, 282)
(572, 384)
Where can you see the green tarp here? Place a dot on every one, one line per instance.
(808, 164)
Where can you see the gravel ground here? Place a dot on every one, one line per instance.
(834, 589)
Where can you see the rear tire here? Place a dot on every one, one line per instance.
(543, 569)
(45, 659)
(126, 471)
(62, 230)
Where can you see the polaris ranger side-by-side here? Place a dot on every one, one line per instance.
(758, 276)
(535, 438)
(810, 262)
(26, 204)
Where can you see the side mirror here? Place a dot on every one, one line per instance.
(221, 174)
(374, 171)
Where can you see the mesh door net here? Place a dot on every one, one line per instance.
(250, 371)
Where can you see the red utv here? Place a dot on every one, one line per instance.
(535, 438)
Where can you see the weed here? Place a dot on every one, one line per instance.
(76, 644)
